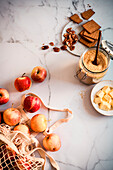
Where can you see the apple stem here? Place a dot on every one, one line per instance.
(48, 131)
(23, 74)
(38, 71)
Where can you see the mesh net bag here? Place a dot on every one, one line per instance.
(9, 159)
(17, 151)
(14, 152)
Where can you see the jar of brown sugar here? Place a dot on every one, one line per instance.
(89, 73)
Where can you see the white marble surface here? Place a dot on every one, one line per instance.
(87, 140)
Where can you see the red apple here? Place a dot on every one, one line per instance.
(38, 74)
(52, 142)
(11, 116)
(38, 123)
(32, 104)
(4, 96)
(22, 128)
(22, 83)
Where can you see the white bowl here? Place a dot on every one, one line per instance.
(95, 89)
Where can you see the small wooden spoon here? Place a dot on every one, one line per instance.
(98, 43)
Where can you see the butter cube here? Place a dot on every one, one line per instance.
(107, 98)
(100, 93)
(111, 93)
(106, 89)
(97, 100)
(105, 106)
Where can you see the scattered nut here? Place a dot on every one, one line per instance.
(66, 34)
(72, 32)
(56, 49)
(68, 30)
(72, 47)
(64, 47)
(45, 47)
(51, 43)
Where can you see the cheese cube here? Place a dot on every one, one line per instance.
(106, 89)
(100, 93)
(97, 100)
(107, 98)
(105, 106)
(111, 93)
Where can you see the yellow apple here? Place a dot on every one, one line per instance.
(38, 123)
(11, 116)
(52, 142)
(22, 128)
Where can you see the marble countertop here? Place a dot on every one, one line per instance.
(87, 139)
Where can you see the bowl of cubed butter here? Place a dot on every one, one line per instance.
(102, 97)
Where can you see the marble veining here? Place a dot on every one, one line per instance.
(87, 140)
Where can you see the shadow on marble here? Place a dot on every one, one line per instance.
(65, 73)
(9, 85)
(87, 103)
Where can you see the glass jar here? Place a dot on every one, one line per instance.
(87, 76)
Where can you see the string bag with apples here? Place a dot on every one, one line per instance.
(17, 149)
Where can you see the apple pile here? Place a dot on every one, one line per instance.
(23, 82)
(31, 104)
(38, 123)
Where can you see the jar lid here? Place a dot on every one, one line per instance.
(108, 46)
